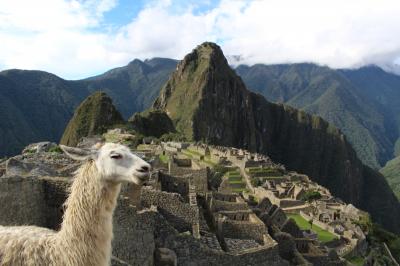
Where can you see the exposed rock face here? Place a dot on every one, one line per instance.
(152, 123)
(93, 116)
(337, 97)
(43, 146)
(207, 101)
(40, 164)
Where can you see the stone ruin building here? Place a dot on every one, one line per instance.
(177, 220)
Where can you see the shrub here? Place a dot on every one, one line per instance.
(173, 137)
(256, 182)
(311, 196)
(55, 149)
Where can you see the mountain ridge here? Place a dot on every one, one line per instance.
(371, 128)
(391, 171)
(220, 110)
(328, 93)
(37, 105)
(92, 117)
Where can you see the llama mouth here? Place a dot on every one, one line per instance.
(142, 176)
(142, 171)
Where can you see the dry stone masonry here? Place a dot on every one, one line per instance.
(180, 219)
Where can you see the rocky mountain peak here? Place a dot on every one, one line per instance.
(202, 74)
(93, 116)
(208, 102)
(209, 54)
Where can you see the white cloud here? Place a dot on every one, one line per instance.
(54, 35)
(63, 36)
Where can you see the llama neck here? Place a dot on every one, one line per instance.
(87, 226)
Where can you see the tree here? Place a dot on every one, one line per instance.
(311, 196)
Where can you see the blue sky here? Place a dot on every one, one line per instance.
(79, 38)
(127, 10)
(124, 12)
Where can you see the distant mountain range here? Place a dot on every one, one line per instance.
(364, 103)
(36, 105)
(207, 101)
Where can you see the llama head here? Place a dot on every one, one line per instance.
(115, 162)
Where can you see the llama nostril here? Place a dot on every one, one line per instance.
(145, 168)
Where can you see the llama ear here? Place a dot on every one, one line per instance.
(78, 153)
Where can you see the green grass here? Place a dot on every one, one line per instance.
(270, 177)
(238, 190)
(323, 235)
(194, 152)
(356, 260)
(236, 181)
(191, 154)
(235, 178)
(210, 162)
(188, 154)
(164, 158)
(264, 171)
(233, 173)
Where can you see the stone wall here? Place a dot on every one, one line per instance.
(263, 193)
(32, 201)
(174, 184)
(324, 226)
(55, 194)
(231, 197)
(172, 206)
(323, 260)
(133, 241)
(242, 230)
(183, 162)
(287, 203)
(199, 179)
(192, 252)
(22, 201)
(219, 205)
(242, 215)
(278, 217)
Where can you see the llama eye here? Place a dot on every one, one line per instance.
(116, 156)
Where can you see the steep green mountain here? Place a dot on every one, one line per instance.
(391, 171)
(92, 117)
(133, 87)
(152, 123)
(363, 103)
(330, 94)
(207, 101)
(384, 89)
(36, 105)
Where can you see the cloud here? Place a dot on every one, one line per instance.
(71, 38)
(337, 33)
(54, 35)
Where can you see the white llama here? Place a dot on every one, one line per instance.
(86, 231)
